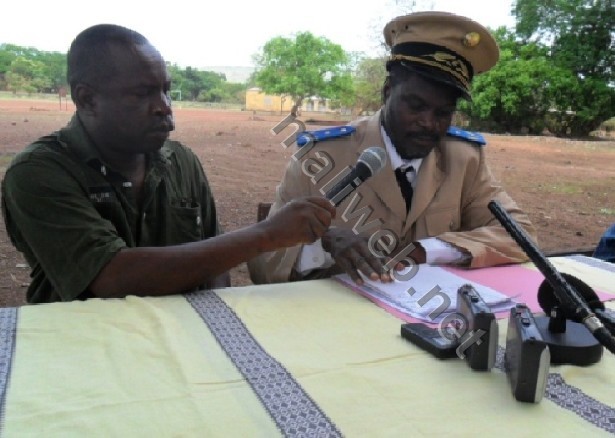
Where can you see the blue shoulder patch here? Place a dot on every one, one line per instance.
(324, 134)
(473, 137)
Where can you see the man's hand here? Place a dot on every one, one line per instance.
(302, 220)
(351, 253)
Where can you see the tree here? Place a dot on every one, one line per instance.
(515, 94)
(302, 67)
(7, 56)
(54, 69)
(193, 84)
(26, 75)
(581, 38)
(368, 80)
(581, 32)
(49, 74)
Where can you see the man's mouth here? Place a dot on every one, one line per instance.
(423, 138)
(164, 128)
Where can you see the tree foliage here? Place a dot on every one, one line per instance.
(31, 70)
(25, 69)
(580, 35)
(193, 84)
(303, 66)
(514, 95)
(368, 80)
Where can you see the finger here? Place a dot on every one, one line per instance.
(347, 266)
(316, 229)
(324, 203)
(377, 266)
(310, 210)
(369, 263)
(363, 265)
(324, 217)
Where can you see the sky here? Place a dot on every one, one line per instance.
(224, 33)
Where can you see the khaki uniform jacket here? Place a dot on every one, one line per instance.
(450, 200)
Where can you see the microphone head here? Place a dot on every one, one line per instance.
(375, 158)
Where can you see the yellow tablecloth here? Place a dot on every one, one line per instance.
(151, 367)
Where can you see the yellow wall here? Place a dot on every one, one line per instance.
(256, 100)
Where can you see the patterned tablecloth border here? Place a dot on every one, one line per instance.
(596, 263)
(572, 399)
(290, 407)
(8, 333)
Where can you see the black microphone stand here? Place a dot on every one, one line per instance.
(569, 299)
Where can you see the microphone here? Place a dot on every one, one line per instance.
(370, 162)
(568, 297)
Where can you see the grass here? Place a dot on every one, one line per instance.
(5, 159)
(563, 188)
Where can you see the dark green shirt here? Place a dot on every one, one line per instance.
(69, 213)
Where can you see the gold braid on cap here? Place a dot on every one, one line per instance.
(442, 61)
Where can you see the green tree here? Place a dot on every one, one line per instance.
(50, 69)
(26, 75)
(368, 80)
(54, 69)
(234, 92)
(7, 56)
(581, 38)
(515, 94)
(302, 67)
(195, 85)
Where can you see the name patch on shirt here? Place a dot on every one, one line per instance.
(101, 194)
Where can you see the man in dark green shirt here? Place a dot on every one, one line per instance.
(109, 206)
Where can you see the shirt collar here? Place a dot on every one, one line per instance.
(76, 139)
(397, 162)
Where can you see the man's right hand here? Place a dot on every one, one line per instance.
(302, 220)
(351, 253)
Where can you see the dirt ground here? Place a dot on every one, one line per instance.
(565, 186)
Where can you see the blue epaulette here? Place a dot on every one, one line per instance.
(473, 137)
(324, 134)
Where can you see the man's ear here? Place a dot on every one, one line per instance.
(85, 98)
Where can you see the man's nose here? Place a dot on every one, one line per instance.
(428, 120)
(162, 104)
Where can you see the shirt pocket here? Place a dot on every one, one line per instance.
(184, 223)
(442, 221)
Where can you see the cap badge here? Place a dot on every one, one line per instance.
(471, 39)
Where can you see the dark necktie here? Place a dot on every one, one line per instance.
(404, 185)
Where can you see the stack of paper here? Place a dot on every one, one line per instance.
(429, 295)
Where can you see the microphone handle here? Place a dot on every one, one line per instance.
(340, 191)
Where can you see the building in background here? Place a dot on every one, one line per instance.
(256, 100)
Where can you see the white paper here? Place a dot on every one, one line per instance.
(430, 295)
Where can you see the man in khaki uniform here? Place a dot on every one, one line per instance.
(445, 218)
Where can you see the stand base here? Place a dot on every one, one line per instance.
(576, 346)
